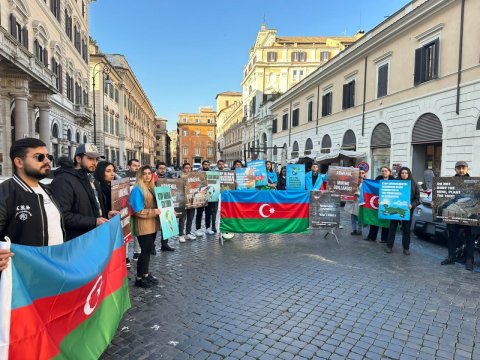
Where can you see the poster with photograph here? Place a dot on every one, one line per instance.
(213, 181)
(343, 180)
(196, 190)
(324, 209)
(260, 172)
(227, 180)
(245, 178)
(177, 189)
(295, 176)
(456, 200)
(120, 203)
(394, 200)
(168, 220)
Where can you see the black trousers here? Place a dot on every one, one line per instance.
(455, 241)
(198, 218)
(373, 232)
(188, 216)
(405, 233)
(146, 243)
(211, 215)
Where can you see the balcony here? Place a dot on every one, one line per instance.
(137, 144)
(83, 115)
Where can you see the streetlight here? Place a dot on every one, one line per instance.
(105, 71)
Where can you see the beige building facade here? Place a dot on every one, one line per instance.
(229, 118)
(396, 95)
(276, 64)
(44, 86)
(162, 142)
(172, 134)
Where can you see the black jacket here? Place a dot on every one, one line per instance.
(281, 183)
(75, 195)
(22, 213)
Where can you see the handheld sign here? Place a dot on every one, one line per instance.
(213, 181)
(394, 200)
(168, 220)
(195, 190)
(260, 172)
(177, 189)
(245, 178)
(120, 201)
(295, 176)
(343, 180)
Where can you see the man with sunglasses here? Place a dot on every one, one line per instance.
(79, 194)
(29, 213)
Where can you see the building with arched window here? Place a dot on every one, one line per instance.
(45, 86)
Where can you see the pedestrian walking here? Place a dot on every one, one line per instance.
(146, 223)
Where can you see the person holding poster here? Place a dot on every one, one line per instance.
(187, 215)
(272, 177)
(404, 174)
(282, 179)
(461, 169)
(237, 164)
(313, 179)
(146, 223)
(351, 207)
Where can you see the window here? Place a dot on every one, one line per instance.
(70, 87)
(271, 56)
(426, 62)
(85, 138)
(78, 93)
(116, 96)
(299, 56)
(20, 33)
(111, 91)
(85, 97)
(285, 122)
(348, 95)
(185, 120)
(209, 133)
(197, 132)
(382, 80)
(117, 127)
(77, 39)
(295, 117)
(57, 71)
(77, 137)
(185, 150)
(55, 8)
(197, 151)
(310, 111)
(112, 125)
(68, 24)
(40, 52)
(274, 126)
(325, 55)
(83, 8)
(55, 131)
(185, 133)
(105, 86)
(294, 75)
(210, 151)
(327, 104)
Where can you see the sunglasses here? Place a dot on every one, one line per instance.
(41, 157)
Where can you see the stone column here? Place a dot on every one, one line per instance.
(44, 110)
(21, 116)
(121, 130)
(5, 133)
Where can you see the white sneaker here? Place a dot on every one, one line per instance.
(210, 232)
(199, 232)
(191, 237)
(181, 238)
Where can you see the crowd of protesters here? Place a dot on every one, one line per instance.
(79, 199)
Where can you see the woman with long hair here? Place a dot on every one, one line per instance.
(282, 179)
(188, 214)
(105, 174)
(404, 174)
(271, 176)
(146, 223)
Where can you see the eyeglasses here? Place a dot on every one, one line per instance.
(41, 157)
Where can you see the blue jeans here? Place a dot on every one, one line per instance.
(355, 225)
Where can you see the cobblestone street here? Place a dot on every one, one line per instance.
(302, 297)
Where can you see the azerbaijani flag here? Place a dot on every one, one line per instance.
(276, 212)
(65, 301)
(368, 201)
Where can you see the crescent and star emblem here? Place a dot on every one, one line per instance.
(374, 202)
(271, 210)
(97, 288)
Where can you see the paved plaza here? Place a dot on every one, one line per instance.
(302, 296)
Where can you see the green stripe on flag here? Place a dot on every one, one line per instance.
(370, 217)
(267, 226)
(90, 339)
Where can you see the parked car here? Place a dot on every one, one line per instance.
(423, 224)
(196, 166)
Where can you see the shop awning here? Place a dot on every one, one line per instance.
(338, 153)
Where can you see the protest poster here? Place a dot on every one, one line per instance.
(177, 189)
(195, 190)
(343, 180)
(456, 200)
(295, 176)
(227, 180)
(394, 200)
(120, 203)
(245, 178)
(213, 181)
(324, 209)
(168, 220)
(260, 172)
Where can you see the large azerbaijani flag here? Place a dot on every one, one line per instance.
(64, 301)
(368, 201)
(275, 212)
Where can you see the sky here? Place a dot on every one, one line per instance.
(185, 52)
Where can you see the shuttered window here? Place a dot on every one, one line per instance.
(381, 136)
(285, 122)
(274, 126)
(295, 117)
(427, 129)
(271, 56)
(310, 111)
(382, 84)
(327, 104)
(348, 95)
(426, 62)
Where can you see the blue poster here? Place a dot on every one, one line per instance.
(213, 181)
(394, 200)
(295, 176)
(168, 220)
(245, 178)
(260, 171)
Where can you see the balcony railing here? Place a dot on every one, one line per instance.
(83, 114)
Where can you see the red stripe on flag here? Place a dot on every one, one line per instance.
(37, 330)
(261, 211)
(371, 201)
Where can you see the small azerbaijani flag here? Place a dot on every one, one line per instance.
(276, 212)
(65, 301)
(368, 201)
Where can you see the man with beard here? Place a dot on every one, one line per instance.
(29, 213)
(78, 193)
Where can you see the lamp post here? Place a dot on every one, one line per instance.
(105, 71)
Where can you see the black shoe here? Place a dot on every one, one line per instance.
(358, 232)
(388, 250)
(368, 239)
(150, 279)
(469, 265)
(129, 264)
(353, 233)
(142, 283)
(449, 260)
(135, 256)
(167, 247)
(383, 242)
(153, 251)
(406, 252)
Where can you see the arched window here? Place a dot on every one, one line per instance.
(427, 129)
(55, 130)
(308, 146)
(77, 137)
(69, 135)
(85, 138)
(349, 140)
(326, 144)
